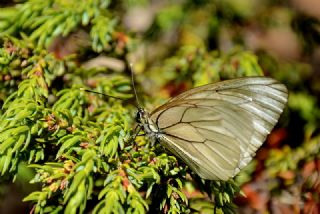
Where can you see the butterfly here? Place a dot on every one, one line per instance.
(217, 128)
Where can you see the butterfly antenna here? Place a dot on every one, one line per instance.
(95, 92)
(134, 88)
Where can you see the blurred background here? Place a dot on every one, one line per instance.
(176, 45)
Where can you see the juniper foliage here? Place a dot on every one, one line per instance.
(80, 145)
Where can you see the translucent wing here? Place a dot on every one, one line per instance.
(217, 128)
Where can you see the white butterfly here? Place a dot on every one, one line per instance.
(217, 128)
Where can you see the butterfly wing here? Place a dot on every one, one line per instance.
(217, 128)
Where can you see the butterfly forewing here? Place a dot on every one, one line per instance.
(217, 128)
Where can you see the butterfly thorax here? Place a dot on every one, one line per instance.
(143, 119)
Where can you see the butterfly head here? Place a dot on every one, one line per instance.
(142, 116)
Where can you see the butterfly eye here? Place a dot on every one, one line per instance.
(139, 115)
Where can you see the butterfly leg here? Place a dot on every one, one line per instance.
(136, 131)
